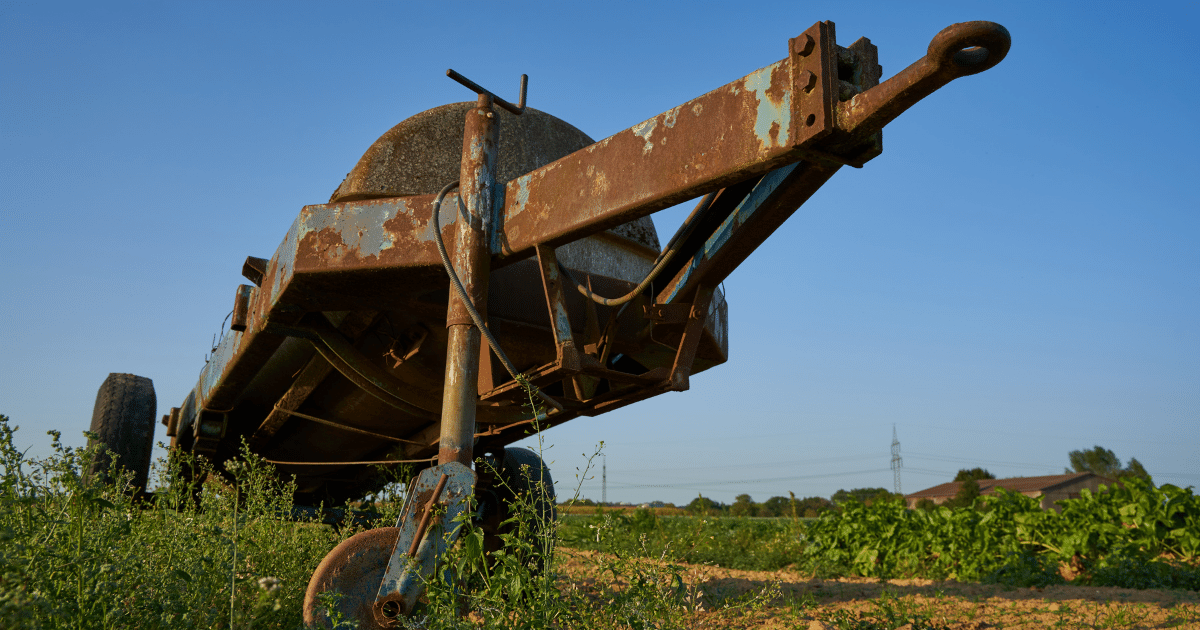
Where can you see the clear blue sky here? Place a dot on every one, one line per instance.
(1017, 276)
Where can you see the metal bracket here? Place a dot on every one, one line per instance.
(667, 313)
(566, 351)
(254, 269)
(814, 83)
(426, 532)
(241, 308)
(208, 430)
(685, 356)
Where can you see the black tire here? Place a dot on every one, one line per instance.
(123, 421)
(519, 477)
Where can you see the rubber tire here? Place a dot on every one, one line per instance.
(123, 421)
(521, 471)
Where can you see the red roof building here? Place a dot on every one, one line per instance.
(1049, 488)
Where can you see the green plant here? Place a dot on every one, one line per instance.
(79, 553)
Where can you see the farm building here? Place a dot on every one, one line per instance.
(1049, 488)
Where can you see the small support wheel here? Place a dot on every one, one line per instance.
(123, 421)
(350, 576)
(520, 481)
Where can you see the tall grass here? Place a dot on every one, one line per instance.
(226, 551)
(82, 554)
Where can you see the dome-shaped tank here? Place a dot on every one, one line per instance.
(423, 153)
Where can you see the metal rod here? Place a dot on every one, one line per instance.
(959, 50)
(499, 102)
(343, 427)
(472, 263)
(377, 462)
(424, 525)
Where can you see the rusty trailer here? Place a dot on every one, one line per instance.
(463, 267)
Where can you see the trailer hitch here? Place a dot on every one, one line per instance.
(957, 51)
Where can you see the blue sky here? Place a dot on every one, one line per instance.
(1017, 276)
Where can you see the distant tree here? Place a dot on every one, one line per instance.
(966, 495)
(703, 505)
(743, 505)
(865, 495)
(1135, 469)
(776, 506)
(973, 473)
(1105, 463)
(926, 504)
(812, 507)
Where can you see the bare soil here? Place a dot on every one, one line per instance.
(718, 598)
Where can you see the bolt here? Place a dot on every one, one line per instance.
(808, 80)
(805, 47)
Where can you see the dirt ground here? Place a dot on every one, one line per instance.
(801, 601)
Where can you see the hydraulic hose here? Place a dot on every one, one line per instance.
(664, 258)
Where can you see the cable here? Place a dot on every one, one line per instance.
(378, 462)
(665, 257)
(466, 300)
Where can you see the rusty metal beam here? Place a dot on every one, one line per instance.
(773, 199)
(743, 129)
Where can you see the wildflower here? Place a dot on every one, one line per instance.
(269, 584)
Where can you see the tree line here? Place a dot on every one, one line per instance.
(1098, 460)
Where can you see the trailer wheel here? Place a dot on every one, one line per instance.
(521, 485)
(123, 421)
(348, 578)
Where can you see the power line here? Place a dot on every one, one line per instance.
(696, 485)
(792, 462)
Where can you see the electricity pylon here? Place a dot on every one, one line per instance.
(896, 461)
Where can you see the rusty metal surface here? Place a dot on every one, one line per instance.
(472, 264)
(957, 51)
(732, 133)
(241, 308)
(353, 569)
(418, 547)
(772, 200)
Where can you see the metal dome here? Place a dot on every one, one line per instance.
(423, 153)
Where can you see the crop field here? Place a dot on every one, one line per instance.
(229, 551)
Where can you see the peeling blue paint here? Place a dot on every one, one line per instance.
(761, 192)
(670, 115)
(562, 323)
(769, 114)
(476, 149)
(361, 227)
(644, 130)
(211, 376)
(447, 215)
(285, 259)
(522, 196)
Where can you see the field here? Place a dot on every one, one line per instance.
(82, 554)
